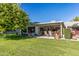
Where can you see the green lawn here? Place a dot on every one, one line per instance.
(38, 47)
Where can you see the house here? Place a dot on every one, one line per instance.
(51, 29)
(46, 29)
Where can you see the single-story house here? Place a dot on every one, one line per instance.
(52, 28)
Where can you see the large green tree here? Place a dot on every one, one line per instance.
(76, 18)
(12, 17)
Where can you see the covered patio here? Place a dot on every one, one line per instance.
(47, 29)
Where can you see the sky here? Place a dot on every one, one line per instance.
(46, 12)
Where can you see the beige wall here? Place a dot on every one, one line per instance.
(37, 30)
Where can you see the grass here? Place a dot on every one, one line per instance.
(23, 46)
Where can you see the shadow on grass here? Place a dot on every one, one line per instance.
(16, 37)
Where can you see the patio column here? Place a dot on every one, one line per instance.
(61, 30)
(37, 30)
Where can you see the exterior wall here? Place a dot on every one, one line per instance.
(36, 30)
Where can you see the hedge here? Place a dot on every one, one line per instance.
(67, 33)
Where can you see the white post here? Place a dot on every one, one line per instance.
(61, 30)
(37, 30)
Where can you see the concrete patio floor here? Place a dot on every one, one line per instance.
(47, 37)
(50, 37)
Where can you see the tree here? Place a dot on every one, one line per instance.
(12, 17)
(76, 18)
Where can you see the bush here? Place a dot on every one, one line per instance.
(67, 33)
(2, 35)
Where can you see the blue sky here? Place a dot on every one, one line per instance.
(45, 12)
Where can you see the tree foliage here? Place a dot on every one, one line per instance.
(76, 18)
(12, 17)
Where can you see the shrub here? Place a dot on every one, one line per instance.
(2, 35)
(67, 33)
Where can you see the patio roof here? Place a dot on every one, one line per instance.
(48, 23)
